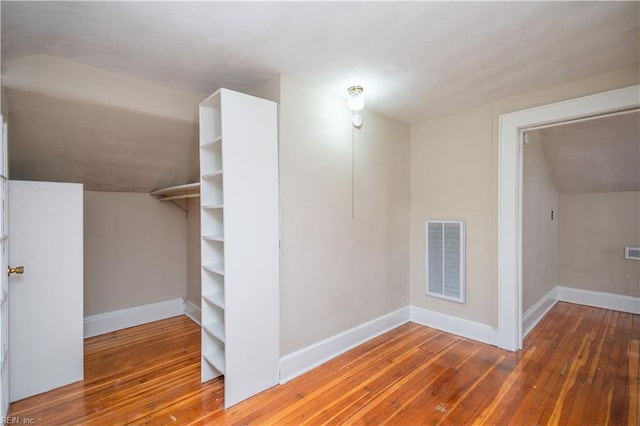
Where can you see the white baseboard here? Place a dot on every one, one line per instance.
(192, 311)
(616, 302)
(116, 320)
(296, 363)
(454, 325)
(534, 314)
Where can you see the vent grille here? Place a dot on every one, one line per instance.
(632, 253)
(445, 259)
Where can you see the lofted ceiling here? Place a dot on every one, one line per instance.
(416, 60)
(597, 155)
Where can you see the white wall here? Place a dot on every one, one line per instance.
(337, 271)
(539, 231)
(454, 173)
(193, 251)
(594, 229)
(134, 249)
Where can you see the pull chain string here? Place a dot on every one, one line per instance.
(353, 166)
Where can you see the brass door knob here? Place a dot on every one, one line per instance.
(16, 270)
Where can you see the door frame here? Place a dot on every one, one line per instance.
(4, 264)
(511, 126)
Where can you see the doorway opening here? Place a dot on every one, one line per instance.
(512, 127)
(581, 183)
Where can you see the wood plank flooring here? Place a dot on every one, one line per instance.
(578, 367)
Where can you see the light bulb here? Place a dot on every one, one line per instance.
(355, 101)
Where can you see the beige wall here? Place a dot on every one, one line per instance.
(539, 232)
(134, 249)
(193, 251)
(594, 229)
(451, 179)
(337, 271)
(454, 171)
(269, 89)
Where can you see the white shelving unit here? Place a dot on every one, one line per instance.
(240, 238)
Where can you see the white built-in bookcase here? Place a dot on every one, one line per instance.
(240, 242)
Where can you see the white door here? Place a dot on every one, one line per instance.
(46, 302)
(4, 282)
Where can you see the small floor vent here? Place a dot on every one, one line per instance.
(632, 253)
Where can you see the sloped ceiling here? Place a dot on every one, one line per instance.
(106, 93)
(73, 123)
(105, 148)
(597, 155)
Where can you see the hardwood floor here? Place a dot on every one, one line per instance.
(578, 367)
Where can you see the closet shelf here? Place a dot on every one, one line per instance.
(215, 329)
(211, 143)
(212, 175)
(189, 190)
(216, 268)
(216, 298)
(216, 359)
(212, 206)
(213, 237)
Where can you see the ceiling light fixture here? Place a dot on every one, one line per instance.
(355, 102)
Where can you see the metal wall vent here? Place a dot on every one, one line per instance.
(632, 253)
(445, 274)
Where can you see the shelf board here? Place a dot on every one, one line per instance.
(189, 190)
(216, 268)
(216, 329)
(212, 206)
(212, 175)
(216, 359)
(213, 101)
(215, 298)
(213, 237)
(211, 143)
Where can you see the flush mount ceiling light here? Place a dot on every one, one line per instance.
(355, 101)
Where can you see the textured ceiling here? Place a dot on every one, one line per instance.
(415, 59)
(115, 124)
(598, 155)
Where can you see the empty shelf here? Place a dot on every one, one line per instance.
(216, 359)
(216, 329)
(213, 237)
(217, 174)
(189, 190)
(216, 298)
(212, 143)
(212, 206)
(216, 268)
